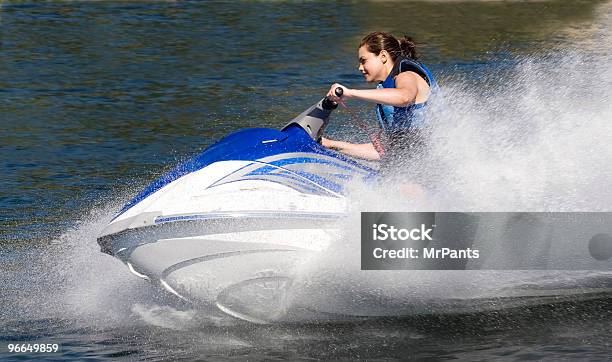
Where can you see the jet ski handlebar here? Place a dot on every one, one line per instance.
(315, 119)
(329, 104)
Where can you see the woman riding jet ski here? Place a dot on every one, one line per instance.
(229, 228)
(401, 97)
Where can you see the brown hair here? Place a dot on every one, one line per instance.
(397, 48)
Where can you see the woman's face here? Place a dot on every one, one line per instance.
(372, 66)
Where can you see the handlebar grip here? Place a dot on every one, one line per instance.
(329, 104)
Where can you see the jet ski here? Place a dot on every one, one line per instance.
(228, 231)
(239, 215)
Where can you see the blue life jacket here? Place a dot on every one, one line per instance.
(393, 119)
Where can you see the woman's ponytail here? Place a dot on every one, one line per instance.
(408, 47)
(397, 48)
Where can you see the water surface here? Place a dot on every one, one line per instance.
(97, 99)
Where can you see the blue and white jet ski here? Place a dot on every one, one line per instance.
(238, 215)
(230, 229)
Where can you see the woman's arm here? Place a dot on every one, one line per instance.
(403, 95)
(364, 151)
